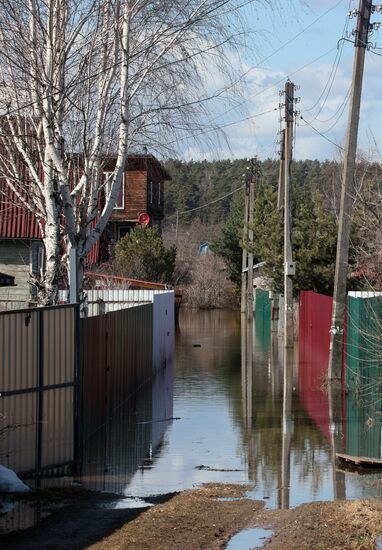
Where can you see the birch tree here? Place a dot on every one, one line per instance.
(82, 81)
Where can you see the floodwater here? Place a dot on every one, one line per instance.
(223, 413)
(237, 423)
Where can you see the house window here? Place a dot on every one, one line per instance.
(37, 258)
(120, 202)
(159, 190)
(151, 192)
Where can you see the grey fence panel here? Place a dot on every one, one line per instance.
(38, 387)
(94, 410)
(19, 347)
(117, 376)
(18, 442)
(57, 427)
(58, 325)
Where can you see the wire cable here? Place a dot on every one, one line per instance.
(333, 73)
(321, 134)
(205, 205)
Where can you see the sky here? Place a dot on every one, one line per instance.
(299, 40)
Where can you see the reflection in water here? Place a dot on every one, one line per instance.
(286, 429)
(246, 370)
(131, 432)
(247, 539)
(335, 401)
(17, 515)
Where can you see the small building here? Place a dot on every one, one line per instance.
(142, 192)
(21, 247)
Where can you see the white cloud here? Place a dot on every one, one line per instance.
(322, 104)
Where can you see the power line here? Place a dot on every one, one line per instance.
(205, 205)
(274, 85)
(333, 72)
(321, 134)
(233, 123)
(294, 37)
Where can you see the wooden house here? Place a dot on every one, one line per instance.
(21, 247)
(142, 192)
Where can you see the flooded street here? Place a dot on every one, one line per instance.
(233, 425)
(221, 415)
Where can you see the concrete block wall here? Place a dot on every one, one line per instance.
(15, 261)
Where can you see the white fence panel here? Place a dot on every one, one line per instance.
(364, 294)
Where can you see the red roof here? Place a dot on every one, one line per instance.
(15, 220)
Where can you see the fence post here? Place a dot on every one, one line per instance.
(101, 306)
(78, 397)
(40, 394)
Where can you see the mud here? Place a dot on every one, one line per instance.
(202, 518)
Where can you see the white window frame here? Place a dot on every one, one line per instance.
(151, 192)
(37, 258)
(107, 187)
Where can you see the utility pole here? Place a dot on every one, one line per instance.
(289, 266)
(251, 200)
(244, 261)
(347, 190)
(280, 193)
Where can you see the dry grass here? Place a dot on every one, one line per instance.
(340, 525)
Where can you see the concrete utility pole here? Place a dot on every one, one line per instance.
(347, 191)
(280, 194)
(289, 266)
(251, 200)
(244, 261)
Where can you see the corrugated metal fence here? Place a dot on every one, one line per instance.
(116, 370)
(262, 307)
(363, 374)
(38, 387)
(109, 300)
(314, 339)
(125, 382)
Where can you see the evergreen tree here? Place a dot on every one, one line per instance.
(228, 245)
(142, 255)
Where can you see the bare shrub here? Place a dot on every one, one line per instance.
(209, 288)
(187, 240)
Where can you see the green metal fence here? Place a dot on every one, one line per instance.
(363, 376)
(262, 307)
(363, 346)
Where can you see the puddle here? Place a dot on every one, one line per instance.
(249, 539)
(17, 515)
(126, 503)
(229, 499)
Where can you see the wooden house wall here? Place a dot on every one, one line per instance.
(135, 199)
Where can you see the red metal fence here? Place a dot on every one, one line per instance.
(314, 340)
